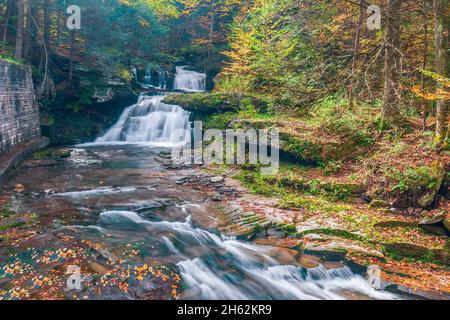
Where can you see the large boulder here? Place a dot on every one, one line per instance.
(435, 224)
(447, 225)
(427, 199)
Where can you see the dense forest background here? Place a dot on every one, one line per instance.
(293, 52)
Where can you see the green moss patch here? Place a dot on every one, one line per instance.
(337, 233)
(52, 154)
(12, 225)
(399, 251)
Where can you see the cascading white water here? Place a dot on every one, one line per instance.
(152, 122)
(163, 77)
(190, 81)
(214, 267)
(148, 76)
(135, 73)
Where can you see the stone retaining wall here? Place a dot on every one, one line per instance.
(19, 111)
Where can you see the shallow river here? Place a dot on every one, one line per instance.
(119, 195)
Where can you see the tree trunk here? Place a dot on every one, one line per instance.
(424, 63)
(20, 29)
(34, 21)
(59, 24)
(391, 98)
(71, 56)
(28, 40)
(355, 52)
(47, 22)
(210, 42)
(442, 30)
(46, 33)
(9, 6)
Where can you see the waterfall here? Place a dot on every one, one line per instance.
(135, 73)
(148, 76)
(190, 81)
(150, 121)
(154, 78)
(163, 77)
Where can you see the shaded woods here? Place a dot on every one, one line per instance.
(362, 110)
(296, 51)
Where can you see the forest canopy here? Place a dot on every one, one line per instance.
(294, 52)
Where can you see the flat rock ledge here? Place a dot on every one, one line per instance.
(11, 160)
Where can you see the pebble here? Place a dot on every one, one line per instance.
(217, 197)
(217, 179)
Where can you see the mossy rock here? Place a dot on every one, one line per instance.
(212, 103)
(52, 154)
(427, 199)
(378, 203)
(414, 186)
(447, 225)
(416, 252)
(295, 183)
(395, 224)
(344, 234)
(349, 188)
(256, 124)
(435, 224)
(315, 149)
(344, 189)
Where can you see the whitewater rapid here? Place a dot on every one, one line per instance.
(216, 267)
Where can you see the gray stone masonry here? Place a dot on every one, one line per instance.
(19, 111)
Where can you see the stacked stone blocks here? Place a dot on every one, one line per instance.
(19, 111)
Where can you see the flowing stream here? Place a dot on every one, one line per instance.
(116, 192)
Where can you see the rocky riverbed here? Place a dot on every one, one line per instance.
(133, 227)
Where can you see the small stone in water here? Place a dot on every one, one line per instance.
(217, 197)
(217, 179)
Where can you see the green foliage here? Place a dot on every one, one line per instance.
(12, 225)
(247, 109)
(6, 212)
(333, 167)
(82, 99)
(220, 121)
(335, 117)
(294, 192)
(11, 59)
(273, 53)
(289, 229)
(412, 179)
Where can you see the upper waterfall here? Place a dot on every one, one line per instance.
(191, 81)
(150, 121)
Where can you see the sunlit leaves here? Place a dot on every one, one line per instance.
(441, 93)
